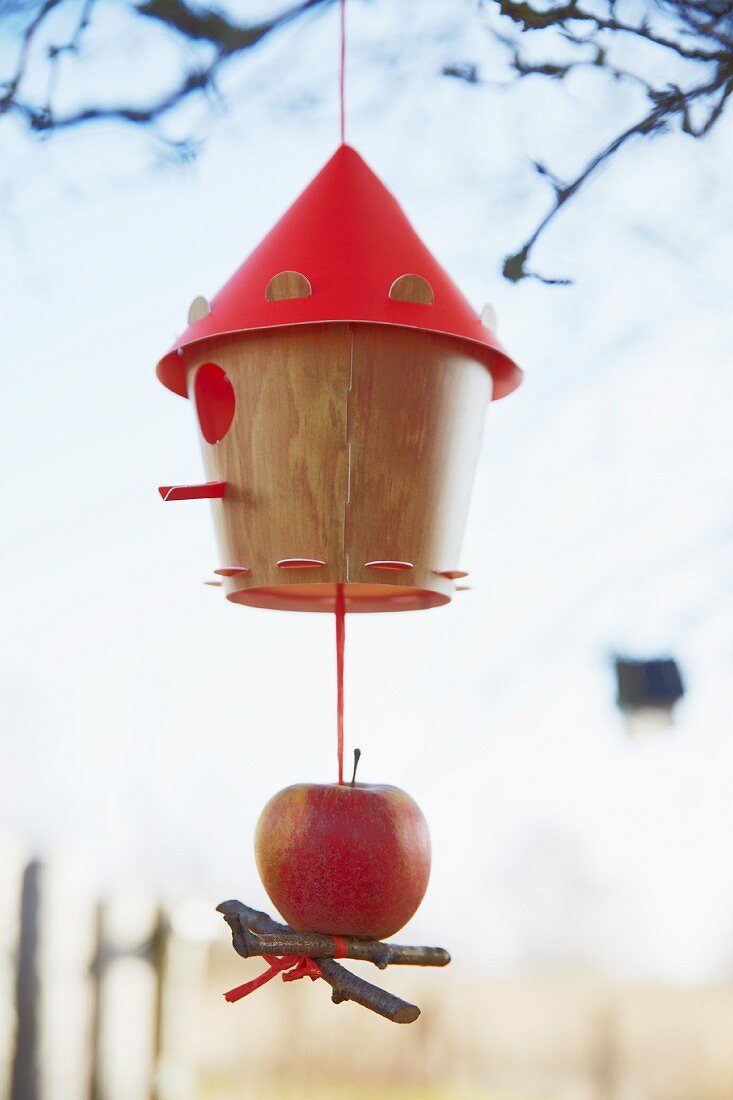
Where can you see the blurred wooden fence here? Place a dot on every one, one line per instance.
(121, 1000)
(83, 985)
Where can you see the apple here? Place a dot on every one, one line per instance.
(346, 859)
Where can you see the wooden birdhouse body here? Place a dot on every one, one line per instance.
(349, 460)
(340, 402)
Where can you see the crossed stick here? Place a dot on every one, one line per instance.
(256, 934)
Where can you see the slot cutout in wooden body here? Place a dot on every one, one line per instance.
(300, 563)
(390, 566)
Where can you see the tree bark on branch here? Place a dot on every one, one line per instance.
(254, 933)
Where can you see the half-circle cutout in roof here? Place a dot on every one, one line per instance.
(412, 288)
(198, 309)
(488, 317)
(286, 285)
(348, 234)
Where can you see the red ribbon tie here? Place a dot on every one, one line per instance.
(291, 967)
(340, 948)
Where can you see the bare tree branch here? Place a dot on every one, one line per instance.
(211, 26)
(313, 945)
(192, 25)
(690, 40)
(253, 930)
(697, 34)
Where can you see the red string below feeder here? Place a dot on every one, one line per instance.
(371, 847)
(340, 643)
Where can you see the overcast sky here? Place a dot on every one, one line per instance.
(146, 721)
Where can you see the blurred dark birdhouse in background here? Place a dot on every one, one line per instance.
(647, 691)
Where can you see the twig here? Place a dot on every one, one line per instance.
(254, 933)
(312, 945)
(207, 24)
(345, 986)
(699, 44)
(694, 36)
(667, 105)
(195, 25)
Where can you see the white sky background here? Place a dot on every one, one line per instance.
(146, 721)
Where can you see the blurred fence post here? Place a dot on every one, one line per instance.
(12, 867)
(95, 970)
(184, 991)
(65, 948)
(25, 1075)
(605, 1052)
(127, 976)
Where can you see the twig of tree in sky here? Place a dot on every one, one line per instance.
(692, 38)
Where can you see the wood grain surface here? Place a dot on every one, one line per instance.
(350, 444)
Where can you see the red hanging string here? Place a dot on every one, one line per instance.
(342, 73)
(340, 610)
(340, 607)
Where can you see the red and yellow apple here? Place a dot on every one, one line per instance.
(347, 859)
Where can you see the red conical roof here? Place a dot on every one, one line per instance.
(348, 235)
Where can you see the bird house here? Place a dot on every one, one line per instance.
(340, 381)
(647, 692)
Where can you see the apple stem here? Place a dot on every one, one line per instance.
(357, 754)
